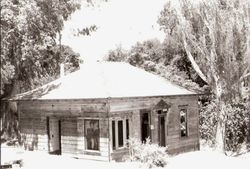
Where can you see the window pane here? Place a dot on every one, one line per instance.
(92, 134)
(120, 133)
(127, 129)
(183, 122)
(113, 134)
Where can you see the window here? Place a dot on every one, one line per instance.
(183, 122)
(113, 134)
(127, 129)
(92, 134)
(120, 132)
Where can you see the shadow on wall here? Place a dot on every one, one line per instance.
(30, 142)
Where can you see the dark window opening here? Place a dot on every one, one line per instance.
(120, 133)
(127, 129)
(113, 134)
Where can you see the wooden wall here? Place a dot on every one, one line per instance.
(72, 114)
(176, 143)
(120, 153)
(33, 132)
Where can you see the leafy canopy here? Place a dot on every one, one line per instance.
(215, 36)
(29, 48)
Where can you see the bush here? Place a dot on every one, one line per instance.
(150, 154)
(236, 125)
(208, 122)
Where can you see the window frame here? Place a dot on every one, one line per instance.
(185, 110)
(115, 133)
(85, 135)
(120, 129)
(163, 113)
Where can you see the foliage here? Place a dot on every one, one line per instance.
(214, 34)
(30, 49)
(237, 121)
(117, 55)
(28, 40)
(236, 129)
(159, 58)
(208, 122)
(150, 154)
(215, 37)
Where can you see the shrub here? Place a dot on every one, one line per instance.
(150, 154)
(236, 125)
(208, 122)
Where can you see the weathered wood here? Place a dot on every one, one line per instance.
(62, 108)
(72, 114)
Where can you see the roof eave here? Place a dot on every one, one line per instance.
(125, 97)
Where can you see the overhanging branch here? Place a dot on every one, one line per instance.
(193, 62)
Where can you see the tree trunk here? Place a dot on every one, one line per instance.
(220, 128)
(220, 131)
(193, 62)
(9, 113)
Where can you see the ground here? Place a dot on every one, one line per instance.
(205, 159)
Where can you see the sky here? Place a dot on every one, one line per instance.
(120, 23)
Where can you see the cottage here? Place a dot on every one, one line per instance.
(91, 113)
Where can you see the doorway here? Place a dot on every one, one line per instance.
(54, 135)
(145, 125)
(161, 129)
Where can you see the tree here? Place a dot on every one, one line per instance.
(29, 31)
(116, 55)
(31, 51)
(163, 59)
(215, 36)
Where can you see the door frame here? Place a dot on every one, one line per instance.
(162, 130)
(58, 121)
(142, 113)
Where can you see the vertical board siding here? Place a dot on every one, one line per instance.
(69, 135)
(33, 132)
(136, 125)
(173, 139)
(73, 112)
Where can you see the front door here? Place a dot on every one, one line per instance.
(54, 134)
(145, 125)
(161, 129)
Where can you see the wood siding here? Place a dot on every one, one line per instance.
(72, 113)
(33, 132)
(175, 143)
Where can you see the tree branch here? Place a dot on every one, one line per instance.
(193, 63)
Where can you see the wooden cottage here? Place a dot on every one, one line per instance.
(92, 112)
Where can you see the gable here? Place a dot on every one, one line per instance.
(162, 105)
